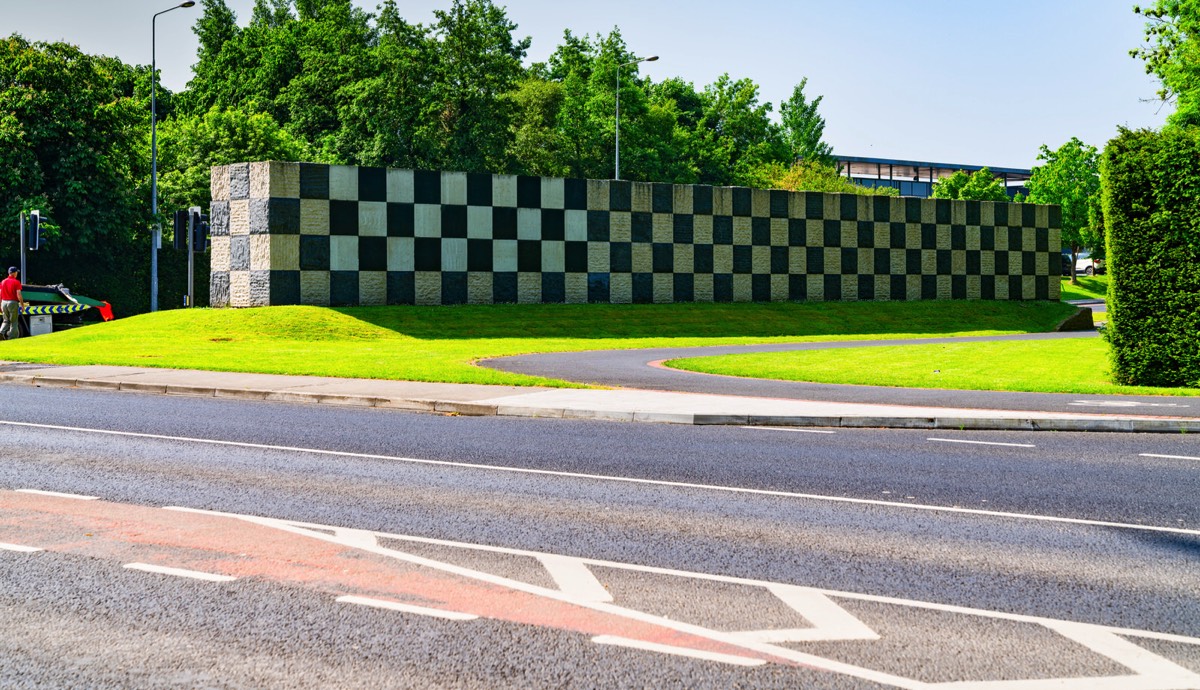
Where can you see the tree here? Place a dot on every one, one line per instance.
(814, 176)
(1070, 178)
(980, 185)
(803, 127)
(1172, 53)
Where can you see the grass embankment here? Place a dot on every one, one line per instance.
(441, 343)
(1095, 287)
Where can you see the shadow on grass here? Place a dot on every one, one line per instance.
(708, 320)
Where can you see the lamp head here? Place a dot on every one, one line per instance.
(189, 3)
(652, 58)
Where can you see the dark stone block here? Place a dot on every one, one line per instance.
(218, 215)
(881, 207)
(974, 262)
(760, 232)
(743, 259)
(702, 200)
(401, 287)
(1015, 286)
(702, 258)
(283, 217)
(529, 191)
(239, 253)
(454, 287)
(987, 238)
(598, 288)
(218, 289)
(928, 236)
(1029, 263)
(814, 206)
(833, 288)
(642, 227)
(944, 262)
(973, 213)
(401, 220)
(1056, 216)
(760, 287)
(427, 187)
(662, 198)
(722, 230)
(1042, 287)
(987, 287)
(743, 202)
(684, 288)
(1016, 238)
(529, 256)
(598, 226)
(899, 235)
(883, 262)
(797, 233)
(454, 221)
(314, 253)
(1028, 215)
(958, 287)
(239, 181)
(866, 287)
(929, 287)
(372, 253)
(372, 184)
(504, 288)
(343, 217)
(285, 287)
(1041, 239)
(314, 181)
(958, 237)
(554, 224)
(576, 257)
(663, 257)
(941, 211)
(684, 229)
(779, 260)
(504, 223)
(912, 262)
(722, 287)
(912, 210)
(866, 234)
(849, 261)
(427, 253)
(797, 287)
(849, 204)
(260, 216)
(479, 255)
(479, 189)
(620, 257)
(779, 203)
(1001, 214)
(575, 195)
(899, 288)
(343, 289)
(1001, 263)
(643, 288)
(815, 257)
(620, 195)
(833, 233)
(554, 288)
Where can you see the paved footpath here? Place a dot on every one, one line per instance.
(620, 404)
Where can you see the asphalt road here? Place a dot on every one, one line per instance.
(580, 554)
(632, 369)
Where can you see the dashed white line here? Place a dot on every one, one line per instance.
(19, 548)
(408, 608)
(1168, 457)
(982, 443)
(574, 578)
(179, 572)
(58, 494)
(955, 510)
(677, 651)
(791, 429)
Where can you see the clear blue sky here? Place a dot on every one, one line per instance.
(953, 81)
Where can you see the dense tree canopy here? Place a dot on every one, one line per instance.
(1172, 53)
(980, 185)
(1070, 177)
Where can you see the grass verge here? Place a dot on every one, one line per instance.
(1050, 366)
(1095, 287)
(441, 344)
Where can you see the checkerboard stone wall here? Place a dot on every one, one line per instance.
(301, 233)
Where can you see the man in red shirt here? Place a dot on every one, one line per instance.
(11, 300)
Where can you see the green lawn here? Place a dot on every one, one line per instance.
(1095, 287)
(1052, 366)
(441, 343)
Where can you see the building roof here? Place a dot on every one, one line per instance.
(897, 169)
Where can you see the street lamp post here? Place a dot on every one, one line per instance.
(652, 58)
(157, 231)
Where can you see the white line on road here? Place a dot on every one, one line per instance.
(574, 578)
(408, 608)
(629, 480)
(1168, 457)
(791, 429)
(677, 651)
(179, 572)
(57, 494)
(982, 443)
(18, 548)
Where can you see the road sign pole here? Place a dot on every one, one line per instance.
(22, 217)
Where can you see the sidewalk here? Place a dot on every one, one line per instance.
(611, 404)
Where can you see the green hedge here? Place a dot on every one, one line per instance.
(1151, 183)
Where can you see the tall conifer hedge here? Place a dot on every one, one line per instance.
(1151, 183)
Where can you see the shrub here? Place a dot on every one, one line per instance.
(1151, 187)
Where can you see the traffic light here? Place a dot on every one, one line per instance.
(35, 230)
(180, 227)
(199, 226)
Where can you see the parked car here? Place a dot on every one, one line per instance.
(1085, 265)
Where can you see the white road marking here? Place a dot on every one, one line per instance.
(830, 621)
(982, 443)
(631, 480)
(179, 572)
(1168, 457)
(791, 429)
(574, 578)
(18, 548)
(57, 494)
(1122, 403)
(408, 608)
(677, 651)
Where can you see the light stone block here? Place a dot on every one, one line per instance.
(643, 257)
(554, 257)
(454, 188)
(760, 259)
(479, 288)
(529, 224)
(239, 217)
(760, 203)
(743, 233)
(219, 183)
(702, 229)
(400, 254)
(427, 288)
(427, 219)
(400, 186)
(529, 288)
(219, 257)
(779, 232)
(260, 180)
(314, 217)
(576, 226)
(504, 256)
(372, 288)
(683, 197)
(577, 288)
(479, 222)
(553, 192)
(597, 195)
(722, 258)
(314, 288)
(849, 288)
(239, 288)
(454, 254)
(849, 233)
(372, 219)
(598, 257)
(343, 182)
(620, 227)
(285, 252)
(504, 191)
(343, 253)
(641, 197)
(662, 227)
(620, 288)
(663, 286)
(743, 288)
